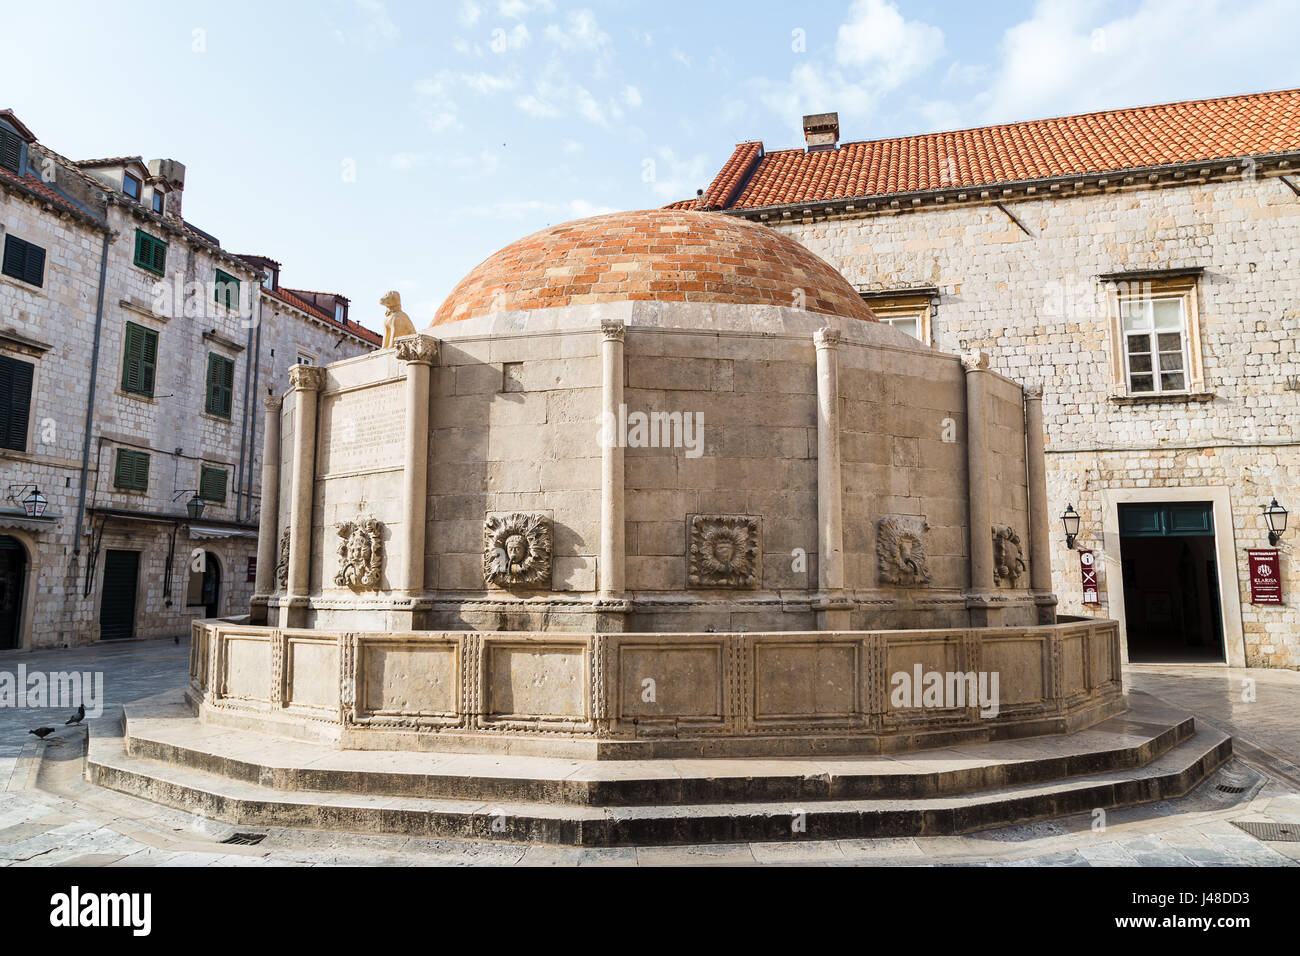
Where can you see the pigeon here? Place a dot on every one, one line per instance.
(42, 732)
(78, 717)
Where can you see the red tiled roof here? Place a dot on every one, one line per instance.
(659, 255)
(284, 295)
(1139, 138)
(111, 161)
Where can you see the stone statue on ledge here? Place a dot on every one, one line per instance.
(396, 322)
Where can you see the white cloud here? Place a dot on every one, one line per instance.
(470, 13)
(404, 161)
(1068, 58)
(536, 208)
(555, 95)
(518, 9)
(487, 82)
(677, 177)
(582, 32)
(681, 58)
(379, 29)
(571, 146)
(631, 97)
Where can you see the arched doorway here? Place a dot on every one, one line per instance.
(205, 586)
(13, 584)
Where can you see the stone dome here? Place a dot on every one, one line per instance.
(658, 255)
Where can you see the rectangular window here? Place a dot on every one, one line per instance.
(305, 359)
(906, 310)
(159, 201)
(15, 402)
(212, 484)
(24, 260)
(140, 360)
(131, 470)
(226, 290)
(1155, 353)
(131, 186)
(340, 316)
(221, 385)
(150, 253)
(11, 151)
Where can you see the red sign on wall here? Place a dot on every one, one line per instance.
(1265, 576)
(1088, 571)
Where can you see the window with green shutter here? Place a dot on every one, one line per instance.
(226, 290)
(24, 260)
(150, 253)
(140, 360)
(221, 385)
(212, 484)
(15, 402)
(131, 470)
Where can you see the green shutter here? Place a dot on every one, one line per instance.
(150, 253)
(140, 360)
(221, 385)
(131, 470)
(15, 402)
(212, 484)
(226, 290)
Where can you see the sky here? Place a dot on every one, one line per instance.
(372, 144)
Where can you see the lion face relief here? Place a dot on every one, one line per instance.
(361, 554)
(900, 551)
(1008, 564)
(517, 550)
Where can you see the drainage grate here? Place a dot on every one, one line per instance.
(244, 839)
(1271, 832)
(1224, 788)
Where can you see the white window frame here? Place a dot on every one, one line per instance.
(1181, 288)
(905, 307)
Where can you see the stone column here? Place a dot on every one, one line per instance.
(830, 604)
(980, 597)
(419, 352)
(305, 383)
(612, 603)
(268, 524)
(1040, 530)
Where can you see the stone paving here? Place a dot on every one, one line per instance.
(50, 816)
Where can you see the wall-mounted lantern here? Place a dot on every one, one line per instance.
(1275, 518)
(194, 507)
(1070, 520)
(34, 504)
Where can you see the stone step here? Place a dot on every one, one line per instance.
(251, 805)
(164, 729)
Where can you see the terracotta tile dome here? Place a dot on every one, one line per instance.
(658, 254)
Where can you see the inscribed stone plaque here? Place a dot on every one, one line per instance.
(364, 430)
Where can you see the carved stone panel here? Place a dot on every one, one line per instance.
(282, 569)
(724, 551)
(1008, 563)
(901, 552)
(517, 550)
(361, 554)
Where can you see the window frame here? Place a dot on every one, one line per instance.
(14, 144)
(158, 201)
(905, 306)
(204, 472)
(1152, 335)
(224, 280)
(1148, 287)
(139, 186)
(144, 240)
(8, 433)
(138, 459)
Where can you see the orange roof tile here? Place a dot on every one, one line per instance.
(1258, 124)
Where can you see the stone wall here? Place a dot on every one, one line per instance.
(1036, 304)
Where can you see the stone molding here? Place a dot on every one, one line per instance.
(306, 377)
(417, 349)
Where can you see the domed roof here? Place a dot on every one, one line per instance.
(664, 255)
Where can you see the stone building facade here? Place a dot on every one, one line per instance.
(1079, 253)
(134, 351)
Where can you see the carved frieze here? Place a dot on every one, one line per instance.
(517, 550)
(361, 554)
(724, 551)
(1008, 564)
(900, 551)
(282, 569)
(310, 377)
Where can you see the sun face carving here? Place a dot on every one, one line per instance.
(900, 550)
(724, 551)
(517, 550)
(361, 554)
(1008, 564)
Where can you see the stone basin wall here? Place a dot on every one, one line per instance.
(826, 438)
(593, 695)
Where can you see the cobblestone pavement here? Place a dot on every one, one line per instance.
(53, 817)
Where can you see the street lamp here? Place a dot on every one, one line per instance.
(1070, 519)
(194, 507)
(1275, 518)
(34, 504)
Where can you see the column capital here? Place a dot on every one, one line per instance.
(612, 330)
(306, 377)
(273, 402)
(1033, 393)
(975, 360)
(827, 338)
(417, 349)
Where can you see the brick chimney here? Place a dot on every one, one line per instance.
(173, 173)
(821, 131)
